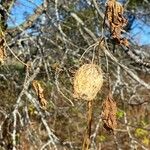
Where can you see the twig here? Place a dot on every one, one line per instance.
(133, 75)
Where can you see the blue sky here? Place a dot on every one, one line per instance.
(21, 9)
(140, 31)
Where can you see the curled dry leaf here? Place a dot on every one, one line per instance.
(114, 15)
(109, 110)
(39, 91)
(124, 42)
(2, 51)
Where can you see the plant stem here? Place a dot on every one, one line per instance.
(87, 140)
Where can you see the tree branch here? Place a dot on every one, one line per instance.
(28, 23)
(128, 51)
(133, 75)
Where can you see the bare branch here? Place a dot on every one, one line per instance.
(28, 23)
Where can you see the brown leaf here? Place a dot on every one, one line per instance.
(109, 113)
(124, 42)
(39, 91)
(114, 15)
(2, 51)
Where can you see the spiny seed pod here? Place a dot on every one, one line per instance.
(88, 81)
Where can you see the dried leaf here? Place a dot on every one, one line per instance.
(109, 113)
(2, 51)
(124, 42)
(114, 15)
(39, 91)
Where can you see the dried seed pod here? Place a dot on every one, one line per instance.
(88, 81)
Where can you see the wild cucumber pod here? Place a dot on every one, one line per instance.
(88, 81)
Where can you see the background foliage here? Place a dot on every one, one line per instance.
(51, 41)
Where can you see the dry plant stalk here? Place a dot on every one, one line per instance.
(88, 81)
(114, 15)
(109, 110)
(39, 91)
(87, 137)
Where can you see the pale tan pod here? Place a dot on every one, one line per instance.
(88, 81)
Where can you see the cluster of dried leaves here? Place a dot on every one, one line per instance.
(114, 15)
(39, 91)
(109, 110)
